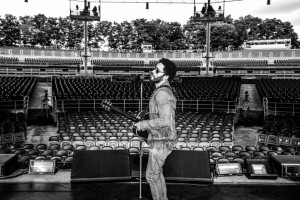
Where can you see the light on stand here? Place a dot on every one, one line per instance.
(147, 5)
(26, 1)
(268, 2)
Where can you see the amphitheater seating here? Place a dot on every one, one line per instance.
(287, 62)
(13, 128)
(53, 61)
(103, 128)
(8, 60)
(63, 155)
(239, 63)
(117, 62)
(279, 131)
(15, 88)
(208, 88)
(279, 90)
(222, 89)
(139, 66)
(181, 63)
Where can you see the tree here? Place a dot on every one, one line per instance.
(75, 36)
(248, 28)
(102, 33)
(175, 36)
(195, 35)
(9, 31)
(64, 33)
(254, 28)
(223, 36)
(38, 30)
(26, 27)
(276, 29)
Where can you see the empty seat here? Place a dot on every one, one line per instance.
(23, 161)
(33, 152)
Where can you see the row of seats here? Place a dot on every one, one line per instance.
(106, 120)
(27, 152)
(152, 63)
(97, 62)
(193, 128)
(54, 61)
(63, 155)
(222, 89)
(280, 130)
(181, 63)
(8, 59)
(107, 68)
(7, 127)
(12, 117)
(37, 67)
(116, 63)
(15, 88)
(239, 62)
(288, 62)
(279, 90)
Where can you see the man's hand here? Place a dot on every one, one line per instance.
(137, 126)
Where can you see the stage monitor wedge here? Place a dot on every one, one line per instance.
(100, 165)
(188, 166)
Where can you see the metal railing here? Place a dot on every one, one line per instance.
(280, 108)
(136, 104)
(16, 106)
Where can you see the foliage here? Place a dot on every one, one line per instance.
(64, 33)
(9, 30)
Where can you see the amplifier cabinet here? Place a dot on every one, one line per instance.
(287, 166)
(8, 164)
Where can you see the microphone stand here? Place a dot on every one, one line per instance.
(141, 145)
(141, 164)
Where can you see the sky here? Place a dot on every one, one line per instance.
(285, 10)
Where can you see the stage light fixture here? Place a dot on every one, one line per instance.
(257, 168)
(42, 167)
(268, 2)
(229, 169)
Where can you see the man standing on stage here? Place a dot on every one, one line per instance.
(161, 126)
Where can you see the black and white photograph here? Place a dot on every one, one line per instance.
(149, 99)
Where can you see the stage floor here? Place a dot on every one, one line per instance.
(130, 190)
(58, 186)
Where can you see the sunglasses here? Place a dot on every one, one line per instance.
(157, 70)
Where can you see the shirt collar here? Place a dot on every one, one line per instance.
(163, 83)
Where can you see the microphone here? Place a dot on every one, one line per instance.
(143, 77)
